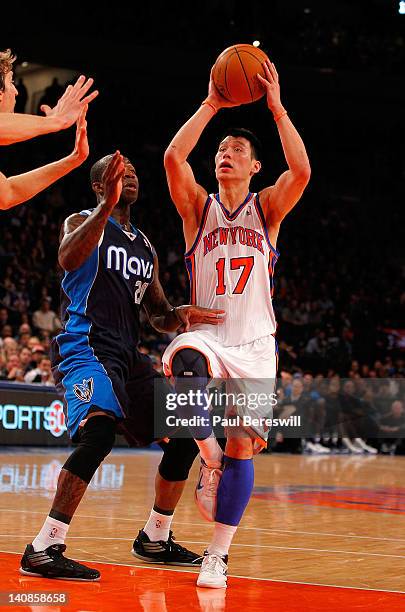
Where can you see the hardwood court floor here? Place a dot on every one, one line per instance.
(320, 533)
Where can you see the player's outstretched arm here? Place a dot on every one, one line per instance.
(18, 189)
(279, 199)
(187, 195)
(80, 235)
(166, 318)
(17, 127)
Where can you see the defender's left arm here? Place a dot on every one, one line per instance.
(279, 199)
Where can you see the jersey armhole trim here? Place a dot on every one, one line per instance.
(263, 222)
(201, 228)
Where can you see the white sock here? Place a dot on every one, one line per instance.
(221, 540)
(52, 532)
(158, 526)
(210, 451)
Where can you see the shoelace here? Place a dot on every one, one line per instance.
(173, 546)
(213, 564)
(212, 485)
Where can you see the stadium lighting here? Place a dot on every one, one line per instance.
(256, 43)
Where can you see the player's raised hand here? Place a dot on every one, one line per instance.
(112, 181)
(215, 98)
(72, 102)
(81, 150)
(189, 315)
(272, 86)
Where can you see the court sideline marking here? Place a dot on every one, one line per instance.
(282, 531)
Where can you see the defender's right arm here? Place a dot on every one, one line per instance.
(17, 127)
(80, 235)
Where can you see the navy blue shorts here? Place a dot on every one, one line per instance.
(125, 390)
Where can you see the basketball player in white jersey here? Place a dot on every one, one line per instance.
(231, 242)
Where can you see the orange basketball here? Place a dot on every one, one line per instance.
(235, 73)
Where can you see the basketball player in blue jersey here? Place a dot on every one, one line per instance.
(231, 252)
(111, 272)
(71, 108)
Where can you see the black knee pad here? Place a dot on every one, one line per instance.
(96, 440)
(190, 369)
(190, 362)
(178, 457)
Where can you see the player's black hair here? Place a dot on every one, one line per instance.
(98, 168)
(255, 143)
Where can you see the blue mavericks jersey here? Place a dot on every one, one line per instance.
(101, 300)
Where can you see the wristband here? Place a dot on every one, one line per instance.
(278, 117)
(208, 103)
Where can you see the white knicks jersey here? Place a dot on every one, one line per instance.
(230, 266)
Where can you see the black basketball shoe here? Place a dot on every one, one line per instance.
(50, 563)
(168, 553)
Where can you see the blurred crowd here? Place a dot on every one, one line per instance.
(341, 415)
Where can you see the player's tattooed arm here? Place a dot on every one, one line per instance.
(80, 235)
(166, 318)
(161, 314)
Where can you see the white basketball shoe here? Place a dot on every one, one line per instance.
(213, 572)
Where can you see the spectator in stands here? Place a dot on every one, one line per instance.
(315, 351)
(24, 339)
(42, 374)
(355, 420)
(295, 402)
(45, 319)
(393, 424)
(25, 328)
(45, 338)
(25, 356)
(318, 344)
(333, 414)
(6, 332)
(3, 317)
(38, 352)
(10, 346)
(14, 372)
(33, 341)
